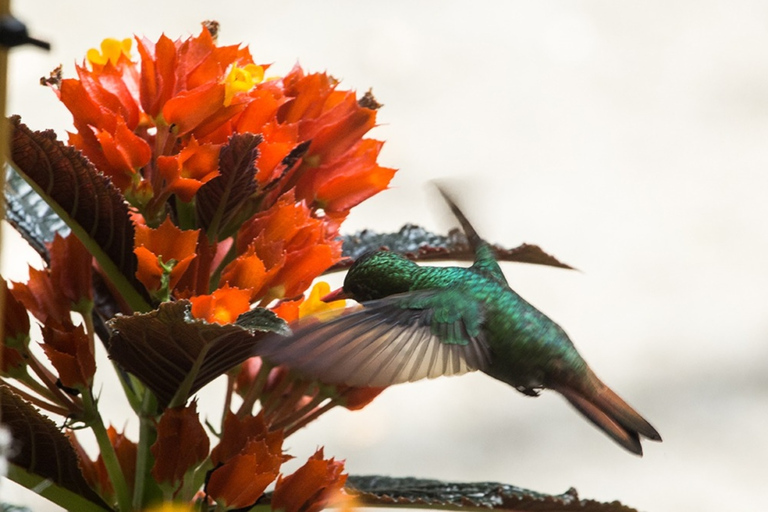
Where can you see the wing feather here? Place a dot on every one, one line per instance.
(383, 343)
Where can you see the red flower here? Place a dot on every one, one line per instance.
(167, 244)
(69, 351)
(181, 445)
(311, 487)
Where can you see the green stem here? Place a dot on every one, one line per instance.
(146, 435)
(52, 492)
(108, 454)
(182, 393)
(56, 409)
(185, 214)
(89, 328)
(35, 385)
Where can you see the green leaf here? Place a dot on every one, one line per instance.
(85, 200)
(175, 355)
(42, 457)
(221, 200)
(421, 493)
(263, 320)
(418, 244)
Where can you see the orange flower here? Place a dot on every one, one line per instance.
(223, 306)
(311, 487)
(293, 246)
(248, 272)
(186, 172)
(181, 445)
(248, 459)
(64, 286)
(69, 351)
(240, 481)
(161, 248)
(124, 153)
(344, 183)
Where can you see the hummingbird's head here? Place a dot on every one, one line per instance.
(378, 274)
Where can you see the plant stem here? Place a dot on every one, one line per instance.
(298, 414)
(108, 454)
(311, 417)
(273, 397)
(56, 409)
(72, 403)
(254, 392)
(227, 399)
(146, 431)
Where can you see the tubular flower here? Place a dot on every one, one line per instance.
(164, 254)
(247, 460)
(223, 306)
(311, 487)
(189, 170)
(69, 351)
(65, 285)
(131, 115)
(181, 444)
(293, 246)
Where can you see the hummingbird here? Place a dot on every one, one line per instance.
(423, 322)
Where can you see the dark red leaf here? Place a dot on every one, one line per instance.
(221, 200)
(418, 244)
(65, 178)
(420, 493)
(162, 347)
(40, 448)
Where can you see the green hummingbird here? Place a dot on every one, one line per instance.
(422, 322)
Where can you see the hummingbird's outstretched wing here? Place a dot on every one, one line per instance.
(401, 338)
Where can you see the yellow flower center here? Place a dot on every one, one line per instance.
(313, 305)
(111, 50)
(241, 80)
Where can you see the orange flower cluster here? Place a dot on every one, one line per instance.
(238, 185)
(164, 129)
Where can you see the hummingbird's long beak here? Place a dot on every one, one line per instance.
(335, 295)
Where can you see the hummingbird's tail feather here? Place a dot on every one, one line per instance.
(600, 405)
(472, 236)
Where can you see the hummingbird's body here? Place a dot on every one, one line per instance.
(422, 322)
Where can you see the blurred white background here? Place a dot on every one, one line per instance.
(626, 138)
